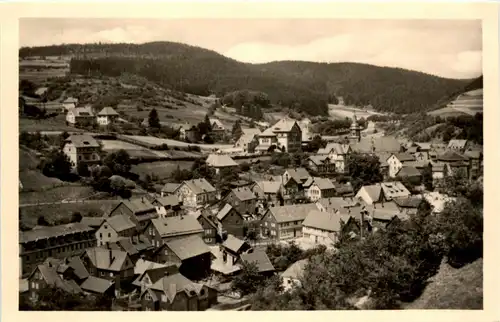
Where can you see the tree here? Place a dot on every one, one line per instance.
(427, 179)
(41, 221)
(249, 280)
(316, 143)
(461, 225)
(153, 119)
(76, 217)
(83, 170)
(57, 164)
(118, 162)
(236, 131)
(363, 169)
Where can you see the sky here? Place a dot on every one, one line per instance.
(447, 48)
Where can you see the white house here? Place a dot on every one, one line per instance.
(321, 227)
(396, 162)
(285, 134)
(80, 116)
(320, 188)
(114, 227)
(220, 161)
(196, 193)
(82, 148)
(107, 116)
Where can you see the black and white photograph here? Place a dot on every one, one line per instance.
(250, 164)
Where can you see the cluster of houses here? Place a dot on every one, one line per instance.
(162, 251)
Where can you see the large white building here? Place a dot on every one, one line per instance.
(286, 135)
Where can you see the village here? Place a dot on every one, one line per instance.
(182, 247)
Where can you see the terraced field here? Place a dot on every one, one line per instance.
(468, 103)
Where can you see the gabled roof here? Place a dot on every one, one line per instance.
(343, 188)
(217, 122)
(336, 147)
(50, 276)
(173, 284)
(382, 157)
(174, 226)
(379, 144)
(318, 159)
(394, 189)
(53, 232)
(243, 193)
(75, 263)
(457, 144)
(296, 270)
(323, 183)
(81, 111)
(404, 156)
(188, 247)
(96, 285)
(168, 201)
(269, 186)
(144, 265)
(120, 223)
(170, 187)
(268, 132)
(322, 220)
(108, 111)
(260, 258)
(224, 211)
(288, 213)
(156, 273)
(246, 138)
(134, 245)
(386, 211)
(139, 205)
(337, 203)
(93, 222)
(473, 154)
(408, 171)
(300, 175)
(71, 100)
(408, 202)
(374, 191)
(200, 215)
(233, 244)
(82, 141)
(254, 131)
(450, 156)
(100, 258)
(220, 160)
(284, 125)
(423, 146)
(199, 186)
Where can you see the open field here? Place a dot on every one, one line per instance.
(342, 111)
(57, 212)
(35, 180)
(468, 103)
(66, 192)
(57, 123)
(162, 169)
(153, 141)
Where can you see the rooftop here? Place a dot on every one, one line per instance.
(296, 270)
(220, 160)
(322, 220)
(96, 285)
(120, 223)
(199, 186)
(288, 213)
(107, 111)
(188, 247)
(52, 232)
(259, 257)
(82, 141)
(179, 225)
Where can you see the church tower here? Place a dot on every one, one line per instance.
(355, 135)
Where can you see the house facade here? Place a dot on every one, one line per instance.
(396, 162)
(114, 227)
(110, 264)
(82, 149)
(196, 193)
(80, 116)
(161, 230)
(242, 199)
(322, 228)
(177, 293)
(320, 188)
(285, 222)
(231, 220)
(139, 210)
(56, 241)
(107, 116)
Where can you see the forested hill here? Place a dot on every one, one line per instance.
(304, 86)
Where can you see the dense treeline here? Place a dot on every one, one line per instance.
(304, 86)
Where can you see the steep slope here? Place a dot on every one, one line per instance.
(453, 289)
(304, 86)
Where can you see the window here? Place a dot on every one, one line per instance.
(202, 292)
(273, 225)
(109, 235)
(163, 298)
(110, 274)
(100, 235)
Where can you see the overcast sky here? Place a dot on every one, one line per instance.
(448, 48)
